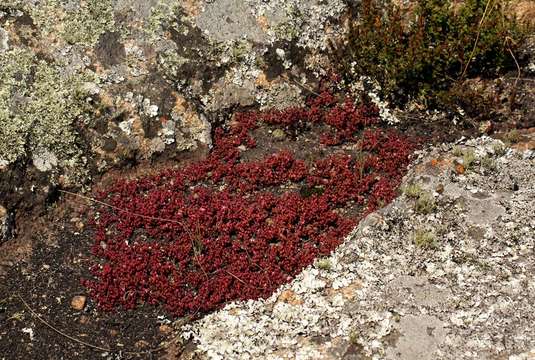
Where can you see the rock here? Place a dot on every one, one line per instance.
(6, 224)
(142, 344)
(230, 20)
(78, 302)
(485, 127)
(165, 329)
(3, 40)
(419, 338)
(385, 298)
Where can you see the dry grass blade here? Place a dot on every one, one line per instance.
(96, 347)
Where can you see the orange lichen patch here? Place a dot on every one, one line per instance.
(433, 165)
(234, 312)
(524, 145)
(190, 118)
(191, 7)
(290, 297)
(459, 169)
(262, 81)
(105, 99)
(263, 22)
(348, 292)
(440, 163)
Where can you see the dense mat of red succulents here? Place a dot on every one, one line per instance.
(223, 229)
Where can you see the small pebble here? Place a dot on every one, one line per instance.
(78, 302)
(165, 329)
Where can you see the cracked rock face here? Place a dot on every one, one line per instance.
(468, 294)
(91, 86)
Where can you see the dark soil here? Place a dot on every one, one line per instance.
(47, 281)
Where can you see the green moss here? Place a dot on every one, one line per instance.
(489, 163)
(425, 239)
(324, 264)
(499, 149)
(469, 157)
(512, 136)
(457, 151)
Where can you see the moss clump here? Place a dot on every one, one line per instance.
(457, 151)
(499, 149)
(469, 156)
(417, 54)
(413, 191)
(489, 163)
(324, 264)
(512, 136)
(425, 239)
(425, 203)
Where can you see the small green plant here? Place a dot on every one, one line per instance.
(425, 239)
(457, 151)
(324, 264)
(469, 157)
(488, 163)
(425, 203)
(499, 149)
(413, 191)
(513, 136)
(354, 337)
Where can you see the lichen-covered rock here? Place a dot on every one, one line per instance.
(90, 85)
(386, 296)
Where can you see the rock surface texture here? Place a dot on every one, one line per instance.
(463, 292)
(93, 90)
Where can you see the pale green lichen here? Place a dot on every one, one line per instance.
(291, 28)
(170, 62)
(163, 16)
(80, 24)
(38, 109)
(16, 66)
